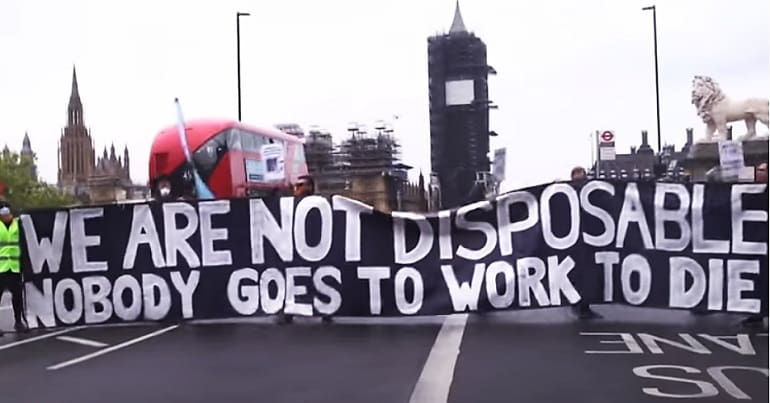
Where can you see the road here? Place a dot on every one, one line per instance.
(529, 356)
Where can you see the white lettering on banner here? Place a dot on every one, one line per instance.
(323, 288)
(97, 297)
(504, 300)
(424, 243)
(573, 235)
(405, 306)
(176, 238)
(143, 231)
(716, 281)
(632, 264)
(531, 271)
(737, 285)
(155, 309)
(464, 296)
(608, 260)
(487, 229)
(94, 299)
(636, 263)
(632, 212)
(374, 274)
(245, 290)
(244, 298)
(304, 207)
(122, 284)
(186, 290)
(294, 290)
(66, 315)
(43, 250)
(353, 210)
(209, 234)
(505, 227)
(739, 216)
(699, 242)
(706, 389)
(606, 237)
(80, 242)
(264, 226)
(679, 296)
(271, 305)
(680, 268)
(677, 216)
(445, 234)
(558, 280)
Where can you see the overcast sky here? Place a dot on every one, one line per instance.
(565, 69)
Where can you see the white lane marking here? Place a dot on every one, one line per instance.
(436, 377)
(41, 337)
(80, 340)
(111, 348)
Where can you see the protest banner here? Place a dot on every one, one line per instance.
(666, 245)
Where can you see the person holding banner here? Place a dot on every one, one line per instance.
(305, 186)
(10, 263)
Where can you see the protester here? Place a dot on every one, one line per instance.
(305, 186)
(164, 189)
(582, 309)
(10, 263)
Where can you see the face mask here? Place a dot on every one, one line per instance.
(5, 211)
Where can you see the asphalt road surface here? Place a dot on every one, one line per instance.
(631, 355)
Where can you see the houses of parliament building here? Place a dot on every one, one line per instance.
(83, 175)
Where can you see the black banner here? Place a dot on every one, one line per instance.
(698, 247)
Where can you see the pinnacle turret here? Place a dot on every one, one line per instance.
(457, 23)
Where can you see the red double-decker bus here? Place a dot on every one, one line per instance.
(233, 159)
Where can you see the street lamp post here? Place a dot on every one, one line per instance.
(238, 16)
(655, 45)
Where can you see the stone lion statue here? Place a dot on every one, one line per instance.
(717, 110)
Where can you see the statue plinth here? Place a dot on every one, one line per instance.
(704, 156)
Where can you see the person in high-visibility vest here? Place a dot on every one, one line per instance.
(10, 262)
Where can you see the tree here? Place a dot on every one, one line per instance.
(23, 189)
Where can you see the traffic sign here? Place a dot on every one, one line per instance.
(607, 136)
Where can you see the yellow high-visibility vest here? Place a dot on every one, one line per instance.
(10, 252)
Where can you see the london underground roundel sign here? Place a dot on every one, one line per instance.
(607, 136)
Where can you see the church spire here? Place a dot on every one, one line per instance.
(457, 23)
(26, 145)
(75, 108)
(75, 94)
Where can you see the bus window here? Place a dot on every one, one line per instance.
(234, 139)
(208, 155)
(251, 142)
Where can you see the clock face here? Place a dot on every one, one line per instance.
(459, 92)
